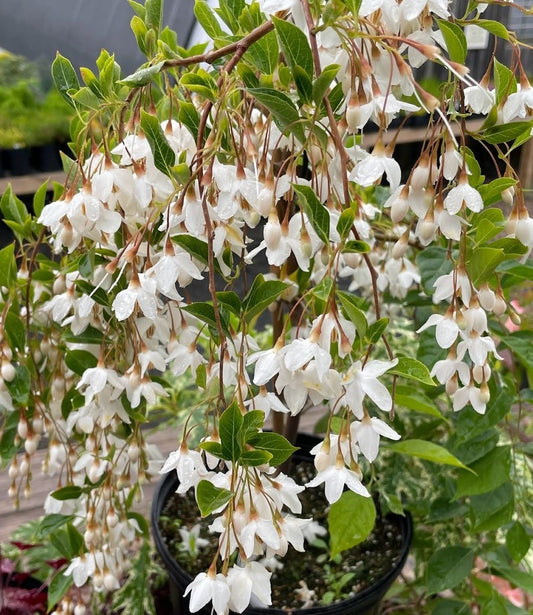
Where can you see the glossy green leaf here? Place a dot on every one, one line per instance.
(85, 97)
(52, 522)
(39, 198)
(201, 83)
(493, 509)
(207, 19)
(429, 451)
(280, 448)
(412, 369)
(15, 330)
(409, 397)
(355, 247)
(491, 471)
(447, 567)
(517, 541)
(494, 27)
(70, 492)
(164, 157)
(376, 330)
(482, 263)
(491, 193)
(154, 14)
(255, 458)
(210, 498)
(143, 76)
(230, 425)
(317, 213)
(451, 607)
(354, 313)
(504, 81)
(8, 266)
(432, 262)
(350, 521)
(80, 360)
(65, 77)
(520, 345)
(253, 420)
(59, 585)
(230, 300)
(261, 294)
(455, 40)
(264, 53)
(303, 84)
(282, 109)
(294, 45)
(345, 222)
(19, 388)
(12, 207)
(322, 83)
(503, 133)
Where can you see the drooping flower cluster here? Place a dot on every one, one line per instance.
(202, 201)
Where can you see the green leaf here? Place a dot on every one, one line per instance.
(504, 81)
(154, 14)
(472, 449)
(282, 109)
(376, 330)
(39, 198)
(517, 541)
(188, 115)
(280, 448)
(491, 471)
(318, 214)
(350, 521)
(264, 54)
(19, 388)
(495, 604)
(433, 263)
(447, 567)
(408, 397)
(64, 76)
(230, 300)
(261, 294)
(16, 330)
(80, 360)
(429, 451)
(255, 458)
(138, 8)
(139, 29)
(135, 596)
(230, 11)
(194, 246)
(494, 509)
(412, 369)
(68, 541)
(323, 82)
(202, 83)
(355, 247)
(13, 209)
(58, 587)
(253, 420)
(210, 498)
(52, 522)
(205, 312)
(230, 425)
(482, 263)
(451, 607)
(492, 192)
(143, 76)
(303, 84)
(84, 97)
(494, 27)
(214, 448)
(520, 345)
(8, 266)
(294, 45)
(503, 133)
(354, 313)
(455, 40)
(70, 492)
(164, 157)
(345, 222)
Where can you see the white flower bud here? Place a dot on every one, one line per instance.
(484, 393)
(25, 465)
(30, 444)
(486, 297)
(134, 452)
(8, 371)
(13, 471)
(7, 352)
(111, 518)
(59, 286)
(80, 609)
(272, 231)
(500, 305)
(22, 428)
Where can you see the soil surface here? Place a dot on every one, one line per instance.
(327, 580)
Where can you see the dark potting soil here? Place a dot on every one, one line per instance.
(329, 580)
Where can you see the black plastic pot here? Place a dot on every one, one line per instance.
(45, 158)
(365, 602)
(17, 161)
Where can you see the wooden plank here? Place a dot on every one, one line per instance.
(29, 184)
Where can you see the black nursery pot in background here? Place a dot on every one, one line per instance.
(365, 602)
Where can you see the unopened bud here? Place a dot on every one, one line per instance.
(484, 393)
(8, 371)
(452, 385)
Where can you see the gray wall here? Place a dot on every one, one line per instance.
(78, 29)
